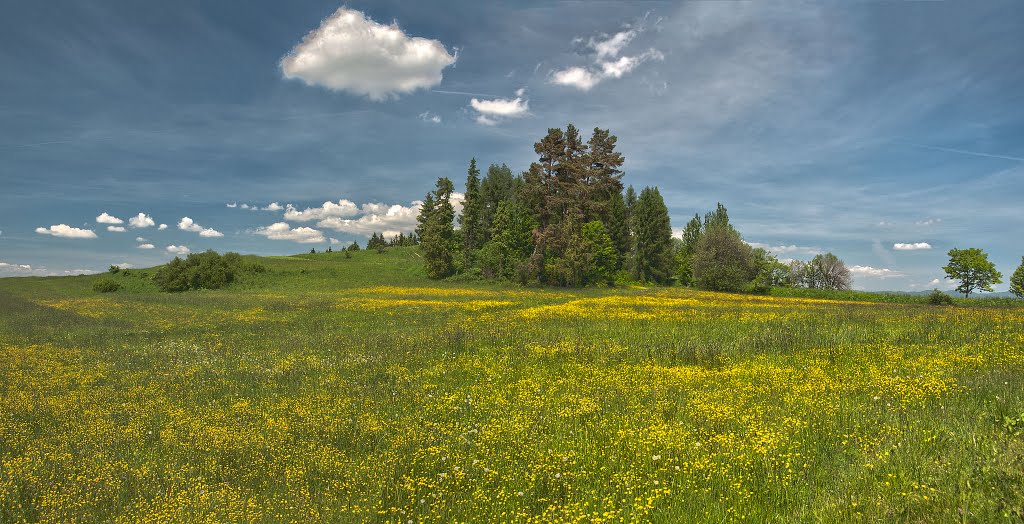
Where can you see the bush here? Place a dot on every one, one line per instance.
(105, 285)
(938, 298)
(207, 270)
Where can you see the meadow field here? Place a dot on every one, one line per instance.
(354, 389)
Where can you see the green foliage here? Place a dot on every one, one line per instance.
(354, 246)
(938, 298)
(1017, 280)
(973, 269)
(471, 226)
(207, 270)
(510, 244)
(768, 271)
(438, 231)
(683, 263)
(601, 257)
(653, 237)
(618, 228)
(823, 272)
(497, 186)
(113, 269)
(722, 261)
(105, 285)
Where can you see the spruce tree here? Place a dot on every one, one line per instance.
(688, 246)
(653, 237)
(497, 186)
(470, 226)
(438, 237)
(618, 228)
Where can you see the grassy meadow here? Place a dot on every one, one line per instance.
(354, 389)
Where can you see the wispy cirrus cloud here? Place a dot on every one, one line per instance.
(607, 62)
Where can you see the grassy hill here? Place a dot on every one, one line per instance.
(354, 389)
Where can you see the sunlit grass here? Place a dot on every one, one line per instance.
(334, 389)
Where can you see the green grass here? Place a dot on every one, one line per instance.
(354, 389)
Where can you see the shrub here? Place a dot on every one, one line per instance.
(105, 285)
(207, 270)
(938, 298)
(113, 269)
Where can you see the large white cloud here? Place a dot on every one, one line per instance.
(141, 220)
(350, 52)
(344, 208)
(187, 224)
(911, 246)
(66, 231)
(105, 218)
(284, 231)
(607, 62)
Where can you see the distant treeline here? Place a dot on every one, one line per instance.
(569, 221)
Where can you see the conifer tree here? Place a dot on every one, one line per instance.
(497, 186)
(688, 246)
(618, 228)
(470, 224)
(653, 236)
(438, 237)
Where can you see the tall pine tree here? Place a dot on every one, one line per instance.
(438, 237)
(653, 237)
(471, 227)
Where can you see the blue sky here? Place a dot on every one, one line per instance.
(850, 128)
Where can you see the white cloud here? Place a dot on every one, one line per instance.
(790, 249)
(490, 111)
(934, 282)
(501, 107)
(16, 270)
(116, 229)
(378, 218)
(928, 222)
(140, 239)
(178, 250)
(485, 121)
(104, 218)
(344, 208)
(146, 246)
(427, 116)
(334, 241)
(912, 246)
(233, 205)
(868, 271)
(187, 224)
(66, 231)
(141, 220)
(124, 265)
(162, 227)
(283, 231)
(577, 77)
(607, 62)
(350, 52)
(273, 206)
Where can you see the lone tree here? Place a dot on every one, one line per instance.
(436, 221)
(826, 272)
(1017, 280)
(973, 269)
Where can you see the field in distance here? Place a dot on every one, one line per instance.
(354, 389)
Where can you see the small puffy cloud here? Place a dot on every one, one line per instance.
(868, 271)
(178, 250)
(66, 231)
(140, 239)
(607, 61)
(273, 206)
(489, 112)
(334, 241)
(104, 218)
(344, 208)
(187, 224)
(911, 246)
(116, 229)
(934, 282)
(146, 246)
(427, 116)
(233, 205)
(141, 220)
(284, 231)
(350, 52)
(162, 227)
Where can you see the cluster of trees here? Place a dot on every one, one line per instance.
(207, 270)
(565, 221)
(568, 221)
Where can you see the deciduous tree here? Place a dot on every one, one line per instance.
(973, 269)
